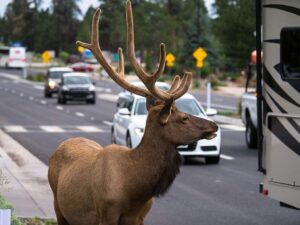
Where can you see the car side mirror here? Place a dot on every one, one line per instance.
(211, 112)
(124, 112)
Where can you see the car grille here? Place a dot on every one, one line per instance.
(209, 148)
(190, 147)
(79, 90)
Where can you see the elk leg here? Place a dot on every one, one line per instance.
(60, 219)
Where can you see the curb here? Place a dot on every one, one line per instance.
(27, 177)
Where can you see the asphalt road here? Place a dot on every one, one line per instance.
(224, 194)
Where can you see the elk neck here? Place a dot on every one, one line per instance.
(159, 159)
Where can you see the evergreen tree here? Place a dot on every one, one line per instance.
(84, 33)
(234, 27)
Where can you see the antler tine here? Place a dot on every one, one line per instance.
(147, 79)
(174, 84)
(118, 77)
(183, 86)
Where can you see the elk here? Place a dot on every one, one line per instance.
(116, 185)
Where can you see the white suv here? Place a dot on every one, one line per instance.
(130, 120)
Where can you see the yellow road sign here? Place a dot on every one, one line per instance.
(80, 49)
(170, 59)
(46, 56)
(200, 55)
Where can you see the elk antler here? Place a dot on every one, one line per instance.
(179, 85)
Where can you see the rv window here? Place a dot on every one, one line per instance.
(290, 52)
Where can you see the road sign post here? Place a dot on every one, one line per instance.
(199, 55)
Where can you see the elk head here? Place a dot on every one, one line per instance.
(172, 125)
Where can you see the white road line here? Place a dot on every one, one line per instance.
(59, 107)
(52, 129)
(43, 102)
(13, 91)
(31, 98)
(108, 90)
(21, 94)
(15, 129)
(92, 118)
(90, 129)
(79, 114)
(107, 123)
(233, 127)
(38, 87)
(108, 97)
(227, 157)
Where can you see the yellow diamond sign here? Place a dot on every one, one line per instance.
(170, 58)
(200, 55)
(46, 56)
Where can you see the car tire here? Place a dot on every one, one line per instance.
(250, 134)
(92, 101)
(128, 141)
(47, 95)
(212, 160)
(61, 99)
(112, 137)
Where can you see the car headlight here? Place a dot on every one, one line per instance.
(52, 84)
(65, 88)
(92, 88)
(139, 131)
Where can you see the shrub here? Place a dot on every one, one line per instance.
(6, 205)
(64, 56)
(40, 77)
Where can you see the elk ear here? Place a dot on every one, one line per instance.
(166, 112)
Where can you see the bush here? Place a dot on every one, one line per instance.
(6, 205)
(40, 77)
(64, 56)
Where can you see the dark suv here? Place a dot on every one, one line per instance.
(53, 77)
(76, 86)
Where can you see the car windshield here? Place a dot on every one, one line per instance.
(56, 74)
(77, 80)
(189, 106)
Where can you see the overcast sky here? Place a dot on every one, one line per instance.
(83, 4)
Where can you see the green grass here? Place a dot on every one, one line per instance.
(4, 204)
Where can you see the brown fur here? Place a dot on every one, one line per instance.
(114, 185)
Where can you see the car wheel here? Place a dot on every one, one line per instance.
(92, 101)
(47, 94)
(128, 141)
(212, 159)
(250, 134)
(61, 99)
(112, 137)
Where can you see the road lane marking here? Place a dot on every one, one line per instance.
(108, 90)
(21, 94)
(59, 107)
(227, 157)
(108, 97)
(52, 129)
(79, 114)
(38, 87)
(233, 127)
(43, 102)
(31, 98)
(90, 129)
(107, 123)
(15, 129)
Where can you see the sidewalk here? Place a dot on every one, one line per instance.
(27, 188)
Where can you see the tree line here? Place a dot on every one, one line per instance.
(184, 25)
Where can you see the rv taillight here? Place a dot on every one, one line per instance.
(24, 60)
(10, 59)
(265, 192)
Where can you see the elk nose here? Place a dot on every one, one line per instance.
(214, 126)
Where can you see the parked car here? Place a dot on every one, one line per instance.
(76, 86)
(130, 120)
(53, 77)
(82, 67)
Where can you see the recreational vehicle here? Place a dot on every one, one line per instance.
(12, 57)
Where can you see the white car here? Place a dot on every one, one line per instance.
(130, 120)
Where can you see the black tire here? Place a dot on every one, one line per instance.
(61, 99)
(128, 141)
(112, 137)
(212, 160)
(91, 101)
(250, 134)
(47, 95)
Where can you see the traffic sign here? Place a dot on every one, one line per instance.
(46, 56)
(170, 59)
(80, 49)
(200, 55)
